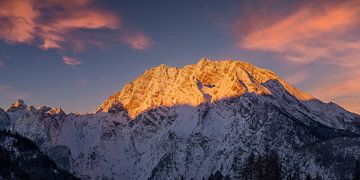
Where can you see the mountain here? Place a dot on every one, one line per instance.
(210, 119)
(20, 158)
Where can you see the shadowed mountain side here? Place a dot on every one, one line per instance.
(256, 127)
(179, 140)
(279, 98)
(311, 137)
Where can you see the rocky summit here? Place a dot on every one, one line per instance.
(212, 118)
(207, 81)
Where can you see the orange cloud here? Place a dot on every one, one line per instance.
(307, 34)
(325, 32)
(342, 88)
(17, 21)
(51, 21)
(338, 86)
(350, 103)
(137, 41)
(71, 61)
(296, 77)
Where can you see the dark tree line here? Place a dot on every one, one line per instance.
(356, 175)
(218, 176)
(262, 167)
(25, 160)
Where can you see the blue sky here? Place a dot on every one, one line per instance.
(74, 54)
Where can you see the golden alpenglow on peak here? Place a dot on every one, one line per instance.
(204, 82)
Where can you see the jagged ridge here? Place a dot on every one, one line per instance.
(206, 81)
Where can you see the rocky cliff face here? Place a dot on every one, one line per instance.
(193, 121)
(207, 81)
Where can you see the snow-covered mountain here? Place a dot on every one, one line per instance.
(193, 121)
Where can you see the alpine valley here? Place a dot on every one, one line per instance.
(214, 119)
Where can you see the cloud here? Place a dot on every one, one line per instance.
(297, 77)
(137, 41)
(71, 61)
(51, 22)
(2, 64)
(339, 85)
(322, 30)
(342, 88)
(310, 35)
(17, 21)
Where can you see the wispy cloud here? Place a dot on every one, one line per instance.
(137, 41)
(343, 88)
(297, 77)
(71, 61)
(17, 21)
(23, 21)
(339, 85)
(312, 31)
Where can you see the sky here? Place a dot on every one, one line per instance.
(73, 54)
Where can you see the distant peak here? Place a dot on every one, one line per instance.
(56, 110)
(203, 60)
(18, 104)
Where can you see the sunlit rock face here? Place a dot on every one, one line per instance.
(206, 81)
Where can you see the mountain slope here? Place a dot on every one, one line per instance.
(195, 121)
(21, 159)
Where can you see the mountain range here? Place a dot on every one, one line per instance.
(209, 118)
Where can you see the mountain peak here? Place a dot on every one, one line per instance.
(205, 82)
(18, 104)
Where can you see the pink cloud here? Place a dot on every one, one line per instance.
(339, 85)
(55, 24)
(325, 32)
(71, 61)
(22, 21)
(312, 31)
(17, 21)
(137, 41)
(297, 77)
(342, 88)
(2, 64)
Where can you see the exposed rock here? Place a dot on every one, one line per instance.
(44, 109)
(169, 86)
(56, 110)
(18, 105)
(4, 119)
(61, 155)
